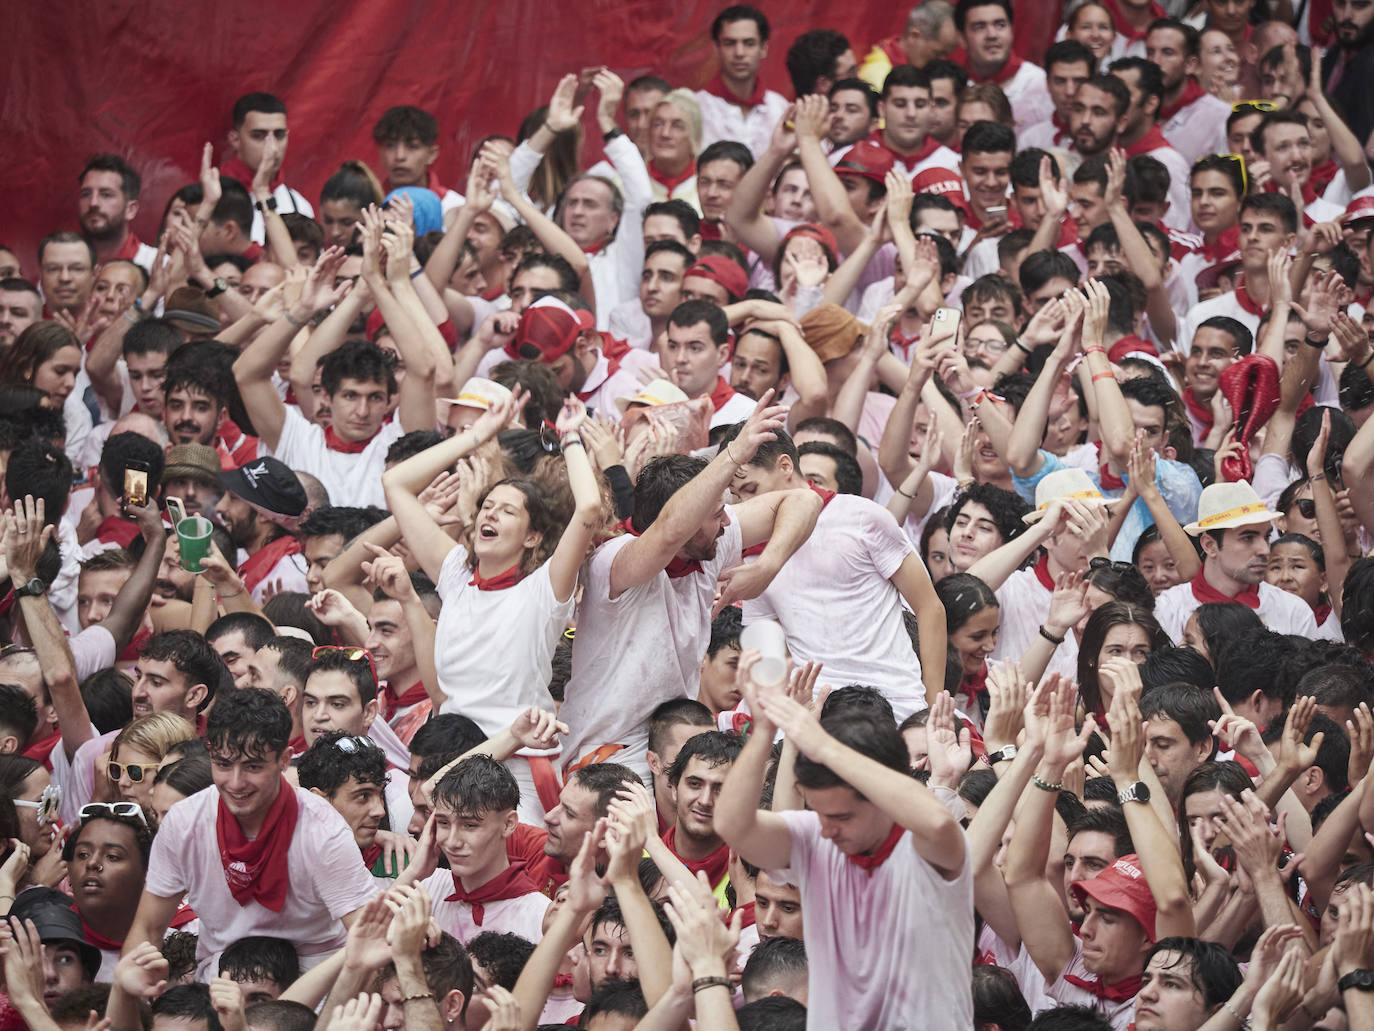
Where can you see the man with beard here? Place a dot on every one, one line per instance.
(773, 355)
(106, 204)
(1346, 69)
(853, 115)
(262, 505)
(20, 307)
(192, 473)
(1193, 120)
(1140, 133)
(195, 411)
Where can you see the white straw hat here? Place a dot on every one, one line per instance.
(652, 394)
(1226, 505)
(1070, 482)
(479, 393)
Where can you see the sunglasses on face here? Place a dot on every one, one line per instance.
(93, 810)
(47, 804)
(136, 771)
(1307, 508)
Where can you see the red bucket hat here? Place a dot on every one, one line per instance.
(1122, 886)
(723, 272)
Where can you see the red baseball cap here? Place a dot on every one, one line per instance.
(867, 158)
(943, 183)
(547, 331)
(1359, 209)
(1122, 886)
(816, 232)
(722, 271)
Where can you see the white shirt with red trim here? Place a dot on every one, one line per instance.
(494, 649)
(637, 650)
(1198, 129)
(835, 599)
(523, 915)
(722, 120)
(1280, 611)
(1120, 1014)
(288, 201)
(1025, 605)
(867, 931)
(1029, 96)
(737, 409)
(1044, 135)
(608, 381)
(328, 880)
(357, 477)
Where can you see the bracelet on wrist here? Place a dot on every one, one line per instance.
(1319, 343)
(222, 595)
(1094, 349)
(905, 494)
(1235, 1014)
(1316, 477)
(1045, 785)
(702, 983)
(1021, 347)
(1365, 364)
(1050, 637)
(299, 324)
(418, 997)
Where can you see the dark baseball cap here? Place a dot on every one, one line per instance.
(267, 483)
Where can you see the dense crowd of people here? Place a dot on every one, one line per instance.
(898, 557)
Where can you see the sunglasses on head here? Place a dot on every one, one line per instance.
(1254, 106)
(136, 771)
(350, 652)
(47, 804)
(352, 744)
(1105, 563)
(1239, 161)
(93, 810)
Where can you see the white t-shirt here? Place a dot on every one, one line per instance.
(327, 880)
(1280, 611)
(837, 603)
(288, 201)
(1025, 604)
(629, 323)
(887, 950)
(1029, 96)
(357, 477)
(637, 650)
(604, 384)
(1199, 128)
(523, 915)
(494, 649)
(722, 120)
(737, 409)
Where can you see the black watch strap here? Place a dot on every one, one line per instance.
(270, 204)
(218, 287)
(1361, 980)
(612, 133)
(34, 588)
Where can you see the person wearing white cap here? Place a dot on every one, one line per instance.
(1233, 527)
(477, 395)
(1070, 521)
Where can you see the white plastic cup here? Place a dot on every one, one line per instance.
(770, 641)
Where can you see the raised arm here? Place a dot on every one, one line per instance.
(994, 567)
(912, 581)
(388, 573)
(132, 600)
(1055, 194)
(1028, 429)
(1141, 472)
(586, 518)
(102, 360)
(1345, 146)
(549, 232)
(744, 214)
(1137, 252)
(647, 555)
(894, 449)
(1328, 518)
(759, 837)
(279, 243)
(832, 202)
(1114, 417)
(653, 954)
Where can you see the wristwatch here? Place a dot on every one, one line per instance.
(218, 287)
(612, 133)
(270, 204)
(1360, 980)
(1003, 754)
(1317, 340)
(35, 588)
(1137, 792)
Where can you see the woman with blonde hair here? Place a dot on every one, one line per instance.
(138, 751)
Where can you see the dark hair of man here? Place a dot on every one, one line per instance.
(151, 336)
(1242, 341)
(1039, 267)
(358, 360)
(617, 996)
(567, 278)
(905, 75)
(739, 12)
(1149, 78)
(346, 521)
(251, 722)
(988, 138)
(327, 767)
(1333, 754)
(858, 698)
(185, 372)
(1179, 666)
(279, 1015)
(685, 712)
(1356, 391)
(658, 481)
(305, 230)
(293, 658)
(1070, 51)
(1187, 705)
(446, 732)
(448, 968)
(404, 123)
(1149, 180)
(1345, 263)
(357, 670)
(129, 181)
(689, 313)
(962, 8)
(1307, 427)
(190, 655)
(927, 202)
(186, 776)
(1070, 1018)
(1006, 508)
(15, 285)
(939, 69)
(189, 1003)
(773, 959)
(1093, 169)
(256, 630)
(36, 467)
(1245, 654)
(727, 150)
(1337, 685)
(865, 733)
(476, 786)
(264, 103)
(687, 219)
(261, 957)
(713, 747)
(858, 86)
(1108, 821)
(18, 713)
(949, 257)
(1274, 58)
(766, 457)
(992, 287)
(1210, 967)
(1279, 205)
(997, 999)
(72, 1008)
(812, 56)
(407, 445)
(605, 780)
(1191, 37)
(501, 955)
(649, 82)
(838, 431)
(1114, 88)
(670, 247)
(1224, 164)
(65, 236)
(1025, 166)
(772, 1013)
(235, 205)
(849, 477)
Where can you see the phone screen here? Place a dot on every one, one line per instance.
(135, 485)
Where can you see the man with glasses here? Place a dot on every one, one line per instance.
(255, 856)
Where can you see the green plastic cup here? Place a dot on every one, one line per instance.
(193, 537)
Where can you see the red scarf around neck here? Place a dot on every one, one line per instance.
(1122, 991)
(879, 856)
(717, 88)
(116, 530)
(1123, 25)
(236, 168)
(130, 247)
(1004, 74)
(1191, 92)
(413, 695)
(910, 161)
(1205, 592)
(499, 582)
(671, 182)
(826, 497)
(1042, 573)
(678, 567)
(721, 394)
(334, 442)
(1152, 140)
(41, 750)
(1201, 411)
(715, 865)
(256, 870)
(94, 937)
(261, 563)
(1247, 302)
(612, 367)
(510, 883)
